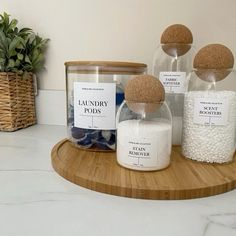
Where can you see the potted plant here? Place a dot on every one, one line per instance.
(21, 56)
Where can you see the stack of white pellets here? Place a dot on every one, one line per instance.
(209, 143)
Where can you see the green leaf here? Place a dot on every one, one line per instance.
(25, 30)
(3, 41)
(6, 18)
(11, 63)
(15, 32)
(15, 42)
(17, 63)
(27, 68)
(20, 56)
(13, 24)
(27, 59)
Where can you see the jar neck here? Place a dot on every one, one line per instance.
(208, 79)
(176, 50)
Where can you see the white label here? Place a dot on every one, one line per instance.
(173, 82)
(141, 152)
(94, 105)
(211, 111)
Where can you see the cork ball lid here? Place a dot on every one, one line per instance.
(144, 89)
(176, 40)
(213, 60)
(214, 56)
(177, 33)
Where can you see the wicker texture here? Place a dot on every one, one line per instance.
(17, 101)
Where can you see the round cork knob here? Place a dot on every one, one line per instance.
(176, 40)
(213, 62)
(145, 89)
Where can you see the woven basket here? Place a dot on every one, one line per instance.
(17, 101)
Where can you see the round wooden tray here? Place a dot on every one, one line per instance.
(183, 179)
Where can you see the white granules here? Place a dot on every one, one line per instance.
(209, 143)
(144, 145)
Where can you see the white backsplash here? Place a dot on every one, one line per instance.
(51, 107)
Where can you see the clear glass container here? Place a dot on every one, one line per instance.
(210, 116)
(95, 90)
(144, 136)
(172, 64)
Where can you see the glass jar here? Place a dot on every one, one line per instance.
(95, 90)
(210, 116)
(172, 64)
(144, 136)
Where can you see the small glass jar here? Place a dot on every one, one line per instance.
(144, 136)
(95, 90)
(210, 116)
(172, 64)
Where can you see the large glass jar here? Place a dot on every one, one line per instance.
(144, 135)
(95, 89)
(210, 116)
(172, 64)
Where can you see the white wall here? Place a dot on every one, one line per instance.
(126, 30)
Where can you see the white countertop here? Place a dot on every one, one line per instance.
(36, 201)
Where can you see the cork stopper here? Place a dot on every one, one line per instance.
(145, 89)
(176, 40)
(213, 62)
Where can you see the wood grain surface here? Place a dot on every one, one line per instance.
(183, 179)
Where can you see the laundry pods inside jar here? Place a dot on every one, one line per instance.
(95, 90)
(210, 107)
(144, 126)
(172, 64)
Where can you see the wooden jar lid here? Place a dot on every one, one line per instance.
(105, 67)
(106, 63)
